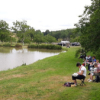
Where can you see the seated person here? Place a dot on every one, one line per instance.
(81, 56)
(91, 63)
(97, 61)
(93, 59)
(94, 72)
(81, 73)
(88, 60)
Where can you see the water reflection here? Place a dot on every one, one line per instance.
(13, 57)
(3, 50)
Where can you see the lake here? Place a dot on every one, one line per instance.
(14, 57)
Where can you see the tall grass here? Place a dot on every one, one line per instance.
(44, 79)
(6, 45)
(44, 46)
(18, 45)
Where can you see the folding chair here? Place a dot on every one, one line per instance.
(82, 82)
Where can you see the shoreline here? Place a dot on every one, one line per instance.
(25, 61)
(44, 79)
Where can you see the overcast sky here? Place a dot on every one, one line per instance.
(43, 14)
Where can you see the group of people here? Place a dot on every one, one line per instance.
(93, 68)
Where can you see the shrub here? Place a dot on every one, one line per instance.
(32, 46)
(45, 46)
(26, 41)
(80, 51)
(18, 45)
(7, 44)
(58, 47)
(97, 54)
(1, 45)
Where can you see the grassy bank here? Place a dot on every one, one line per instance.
(43, 80)
(33, 45)
(45, 46)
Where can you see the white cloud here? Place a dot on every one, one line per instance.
(43, 14)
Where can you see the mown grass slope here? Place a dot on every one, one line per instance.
(44, 79)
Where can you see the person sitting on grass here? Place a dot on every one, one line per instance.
(91, 64)
(88, 60)
(93, 59)
(97, 61)
(95, 71)
(81, 74)
(92, 69)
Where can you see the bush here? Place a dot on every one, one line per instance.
(26, 41)
(80, 51)
(7, 44)
(97, 54)
(18, 45)
(32, 46)
(45, 46)
(1, 45)
(77, 54)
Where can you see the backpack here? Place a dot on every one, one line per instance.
(68, 84)
(97, 79)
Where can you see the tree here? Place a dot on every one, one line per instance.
(30, 33)
(38, 32)
(62, 34)
(20, 28)
(46, 32)
(89, 26)
(39, 38)
(4, 31)
(50, 38)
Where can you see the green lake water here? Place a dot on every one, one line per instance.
(14, 57)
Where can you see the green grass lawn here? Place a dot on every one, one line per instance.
(44, 79)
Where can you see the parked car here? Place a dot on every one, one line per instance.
(61, 44)
(75, 44)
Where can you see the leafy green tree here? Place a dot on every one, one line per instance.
(38, 32)
(89, 26)
(39, 38)
(46, 32)
(75, 37)
(30, 33)
(50, 38)
(20, 28)
(4, 31)
(62, 34)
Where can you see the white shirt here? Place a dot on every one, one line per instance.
(82, 68)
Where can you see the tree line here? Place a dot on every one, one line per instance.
(23, 32)
(27, 34)
(87, 31)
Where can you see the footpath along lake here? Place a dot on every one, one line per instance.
(14, 57)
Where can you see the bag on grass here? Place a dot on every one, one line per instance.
(68, 84)
(97, 79)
